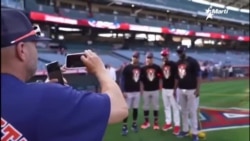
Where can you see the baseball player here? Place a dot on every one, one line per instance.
(189, 85)
(131, 90)
(151, 76)
(169, 83)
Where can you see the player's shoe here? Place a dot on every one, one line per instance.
(156, 126)
(167, 127)
(182, 134)
(145, 125)
(124, 131)
(134, 127)
(176, 130)
(195, 137)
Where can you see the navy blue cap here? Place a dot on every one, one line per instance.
(181, 48)
(136, 54)
(149, 55)
(16, 27)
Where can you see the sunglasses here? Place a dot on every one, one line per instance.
(149, 57)
(36, 31)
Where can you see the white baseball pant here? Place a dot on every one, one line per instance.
(197, 103)
(151, 97)
(178, 98)
(188, 102)
(170, 102)
(133, 99)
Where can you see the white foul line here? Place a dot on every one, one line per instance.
(221, 108)
(225, 128)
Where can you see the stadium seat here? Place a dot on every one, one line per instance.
(191, 6)
(114, 62)
(49, 57)
(76, 14)
(213, 29)
(234, 59)
(41, 65)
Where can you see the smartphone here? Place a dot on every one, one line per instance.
(54, 72)
(74, 60)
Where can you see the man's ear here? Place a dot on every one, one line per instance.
(20, 51)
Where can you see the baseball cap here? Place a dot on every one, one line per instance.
(136, 54)
(149, 55)
(165, 52)
(181, 48)
(16, 27)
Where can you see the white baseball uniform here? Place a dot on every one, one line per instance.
(169, 70)
(170, 102)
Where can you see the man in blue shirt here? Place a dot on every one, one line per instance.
(50, 111)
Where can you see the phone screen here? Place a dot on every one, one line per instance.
(74, 61)
(54, 72)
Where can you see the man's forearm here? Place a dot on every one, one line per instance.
(106, 82)
(198, 83)
(119, 109)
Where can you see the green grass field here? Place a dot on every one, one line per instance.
(217, 95)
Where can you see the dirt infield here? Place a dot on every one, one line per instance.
(224, 79)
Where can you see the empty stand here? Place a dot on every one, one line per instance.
(233, 59)
(191, 6)
(178, 4)
(114, 62)
(49, 57)
(76, 14)
(41, 65)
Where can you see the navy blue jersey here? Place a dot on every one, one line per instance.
(131, 78)
(150, 77)
(169, 74)
(51, 112)
(188, 71)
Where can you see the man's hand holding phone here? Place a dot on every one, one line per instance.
(93, 63)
